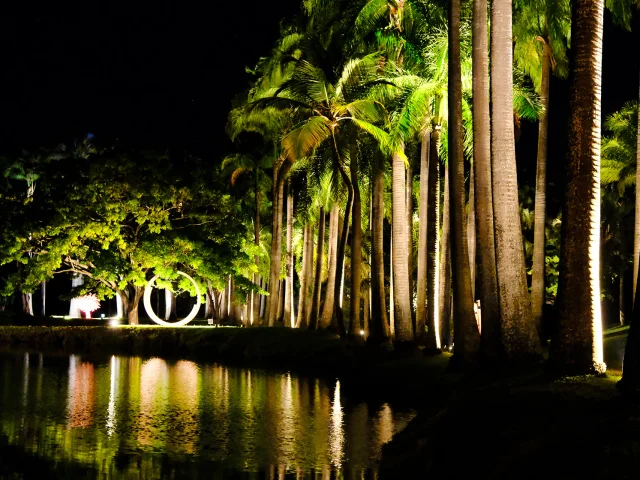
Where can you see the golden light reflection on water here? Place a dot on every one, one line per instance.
(121, 413)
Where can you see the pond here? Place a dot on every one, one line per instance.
(130, 417)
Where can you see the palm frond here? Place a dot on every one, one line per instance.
(304, 139)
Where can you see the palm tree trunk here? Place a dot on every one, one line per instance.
(519, 334)
(636, 234)
(379, 327)
(365, 317)
(392, 316)
(444, 294)
(486, 254)
(466, 335)
(281, 168)
(401, 292)
(315, 306)
(538, 272)
(301, 321)
(342, 243)
(421, 284)
(255, 298)
(409, 203)
(289, 311)
(329, 300)
(356, 253)
(471, 230)
(433, 229)
(578, 346)
(281, 298)
(622, 297)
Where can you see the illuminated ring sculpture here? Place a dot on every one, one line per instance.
(159, 321)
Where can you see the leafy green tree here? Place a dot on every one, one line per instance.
(117, 218)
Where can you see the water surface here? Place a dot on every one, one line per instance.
(129, 417)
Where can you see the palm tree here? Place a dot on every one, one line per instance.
(315, 302)
(483, 193)
(466, 335)
(541, 32)
(289, 310)
(519, 334)
(379, 326)
(328, 307)
(578, 344)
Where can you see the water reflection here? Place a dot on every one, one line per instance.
(126, 417)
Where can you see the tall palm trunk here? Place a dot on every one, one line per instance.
(519, 334)
(342, 241)
(315, 305)
(538, 272)
(255, 298)
(622, 298)
(392, 319)
(471, 231)
(636, 233)
(466, 335)
(433, 229)
(329, 300)
(421, 284)
(401, 292)
(281, 168)
(356, 252)
(486, 254)
(289, 311)
(409, 202)
(444, 293)
(281, 298)
(578, 346)
(379, 327)
(366, 310)
(305, 295)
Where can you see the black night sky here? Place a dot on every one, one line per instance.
(166, 78)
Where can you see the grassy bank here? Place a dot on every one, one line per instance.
(371, 371)
(528, 426)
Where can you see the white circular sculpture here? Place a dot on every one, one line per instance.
(159, 321)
